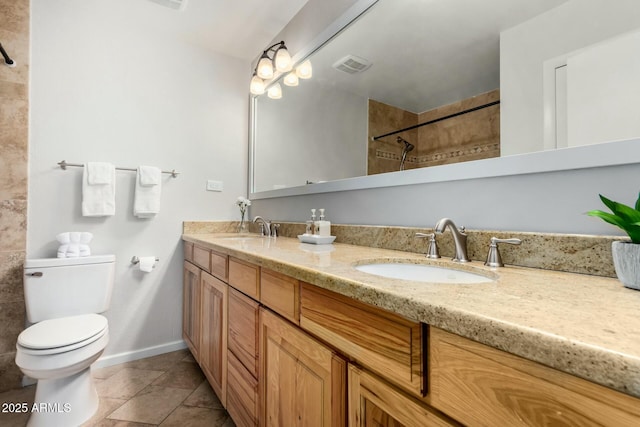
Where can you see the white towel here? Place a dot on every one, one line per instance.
(147, 193)
(98, 199)
(74, 244)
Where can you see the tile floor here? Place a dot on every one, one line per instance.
(166, 390)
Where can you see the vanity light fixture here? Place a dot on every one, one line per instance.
(277, 58)
(304, 70)
(280, 59)
(275, 91)
(291, 79)
(257, 85)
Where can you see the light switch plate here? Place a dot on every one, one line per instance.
(214, 185)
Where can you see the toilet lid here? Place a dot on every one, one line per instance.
(62, 332)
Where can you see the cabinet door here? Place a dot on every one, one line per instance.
(373, 402)
(302, 382)
(213, 333)
(243, 329)
(191, 307)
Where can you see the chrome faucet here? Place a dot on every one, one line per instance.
(265, 226)
(459, 238)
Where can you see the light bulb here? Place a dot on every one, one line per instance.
(282, 60)
(304, 70)
(291, 79)
(275, 91)
(257, 85)
(265, 68)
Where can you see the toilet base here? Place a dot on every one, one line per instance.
(64, 402)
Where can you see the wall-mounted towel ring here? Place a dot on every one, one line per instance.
(8, 61)
(135, 260)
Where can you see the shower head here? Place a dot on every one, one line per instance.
(407, 145)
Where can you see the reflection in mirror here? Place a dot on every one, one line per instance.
(407, 62)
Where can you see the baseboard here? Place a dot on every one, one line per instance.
(116, 359)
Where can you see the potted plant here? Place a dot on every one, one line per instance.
(626, 255)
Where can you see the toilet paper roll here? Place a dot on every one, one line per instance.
(147, 263)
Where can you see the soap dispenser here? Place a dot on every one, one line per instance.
(311, 224)
(324, 226)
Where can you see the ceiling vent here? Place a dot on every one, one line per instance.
(173, 4)
(352, 64)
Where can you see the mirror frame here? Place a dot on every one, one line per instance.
(614, 153)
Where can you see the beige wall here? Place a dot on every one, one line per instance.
(471, 136)
(14, 113)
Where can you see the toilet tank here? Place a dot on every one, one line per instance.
(60, 287)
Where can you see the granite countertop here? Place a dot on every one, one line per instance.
(580, 324)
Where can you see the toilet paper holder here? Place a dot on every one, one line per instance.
(136, 260)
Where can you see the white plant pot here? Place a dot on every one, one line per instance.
(626, 260)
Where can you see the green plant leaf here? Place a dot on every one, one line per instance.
(634, 233)
(622, 216)
(627, 213)
(610, 218)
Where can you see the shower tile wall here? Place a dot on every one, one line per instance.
(384, 154)
(14, 113)
(472, 136)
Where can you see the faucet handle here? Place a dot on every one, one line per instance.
(493, 257)
(432, 251)
(274, 229)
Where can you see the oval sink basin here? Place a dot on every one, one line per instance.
(422, 273)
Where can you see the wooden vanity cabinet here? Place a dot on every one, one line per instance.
(204, 322)
(242, 393)
(213, 333)
(245, 277)
(282, 347)
(243, 330)
(302, 382)
(383, 342)
(482, 386)
(281, 294)
(191, 307)
(242, 383)
(374, 402)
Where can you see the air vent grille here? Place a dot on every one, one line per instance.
(352, 64)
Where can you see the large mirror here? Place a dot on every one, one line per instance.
(413, 84)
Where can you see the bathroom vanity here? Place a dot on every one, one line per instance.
(292, 334)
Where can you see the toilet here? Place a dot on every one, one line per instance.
(63, 298)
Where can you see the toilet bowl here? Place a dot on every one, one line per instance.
(59, 353)
(63, 297)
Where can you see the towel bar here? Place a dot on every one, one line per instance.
(63, 165)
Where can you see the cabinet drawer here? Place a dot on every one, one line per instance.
(188, 251)
(219, 265)
(245, 277)
(242, 394)
(374, 402)
(202, 258)
(386, 343)
(243, 329)
(281, 294)
(480, 386)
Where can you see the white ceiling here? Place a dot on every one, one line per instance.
(239, 28)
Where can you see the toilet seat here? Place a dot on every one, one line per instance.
(61, 335)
